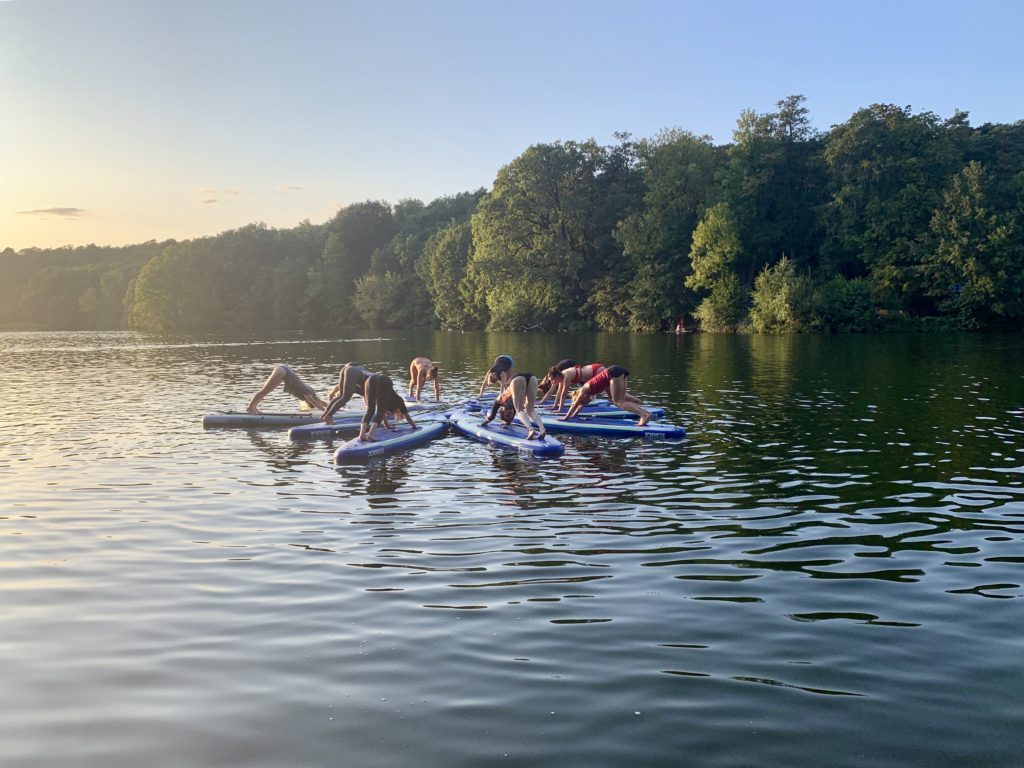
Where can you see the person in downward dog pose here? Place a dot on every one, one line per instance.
(381, 401)
(562, 379)
(613, 381)
(498, 373)
(422, 370)
(519, 399)
(351, 379)
(293, 385)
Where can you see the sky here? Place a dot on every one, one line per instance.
(124, 121)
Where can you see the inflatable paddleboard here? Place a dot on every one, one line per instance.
(498, 433)
(603, 408)
(587, 425)
(256, 420)
(344, 423)
(388, 441)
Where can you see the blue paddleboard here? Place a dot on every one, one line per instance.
(587, 425)
(388, 441)
(512, 436)
(603, 408)
(344, 423)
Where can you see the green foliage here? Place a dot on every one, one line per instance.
(716, 248)
(844, 305)
(897, 217)
(887, 170)
(975, 269)
(545, 232)
(725, 307)
(678, 170)
(780, 299)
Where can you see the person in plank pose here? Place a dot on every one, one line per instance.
(518, 400)
(613, 381)
(422, 370)
(283, 375)
(498, 373)
(559, 380)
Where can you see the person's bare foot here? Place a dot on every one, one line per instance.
(252, 409)
(643, 420)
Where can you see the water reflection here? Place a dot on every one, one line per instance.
(843, 512)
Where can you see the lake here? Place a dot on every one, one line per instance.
(826, 572)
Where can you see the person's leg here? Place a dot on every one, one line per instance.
(367, 426)
(531, 405)
(273, 382)
(413, 378)
(617, 393)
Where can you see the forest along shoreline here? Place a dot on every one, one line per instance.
(889, 221)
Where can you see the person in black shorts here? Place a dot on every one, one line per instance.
(381, 401)
(519, 398)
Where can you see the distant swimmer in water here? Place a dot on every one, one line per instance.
(559, 380)
(293, 385)
(518, 400)
(498, 373)
(422, 370)
(613, 381)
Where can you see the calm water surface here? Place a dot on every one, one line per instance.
(827, 572)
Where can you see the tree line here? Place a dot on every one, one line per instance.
(889, 220)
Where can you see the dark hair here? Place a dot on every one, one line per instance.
(508, 411)
(433, 370)
(544, 385)
(554, 372)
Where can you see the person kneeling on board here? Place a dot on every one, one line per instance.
(293, 385)
(613, 381)
(519, 399)
(422, 370)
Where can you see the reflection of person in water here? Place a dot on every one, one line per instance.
(283, 375)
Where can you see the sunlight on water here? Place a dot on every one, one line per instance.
(830, 563)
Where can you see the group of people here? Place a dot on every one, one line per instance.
(376, 389)
(517, 397)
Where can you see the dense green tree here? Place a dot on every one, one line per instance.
(545, 232)
(887, 170)
(975, 269)
(774, 182)
(679, 170)
(714, 255)
(780, 299)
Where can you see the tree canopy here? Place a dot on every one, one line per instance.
(890, 219)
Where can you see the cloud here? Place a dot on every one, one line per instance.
(208, 200)
(67, 213)
(290, 188)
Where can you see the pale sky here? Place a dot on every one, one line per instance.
(131, 120)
